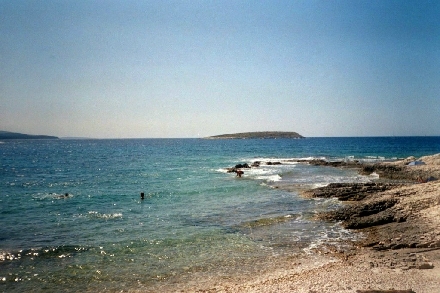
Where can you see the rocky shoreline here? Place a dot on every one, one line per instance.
(380, 209)
(399, 217)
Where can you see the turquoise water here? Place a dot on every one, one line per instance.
(197, 222)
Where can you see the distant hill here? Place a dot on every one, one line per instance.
(257, 135)
(15, 135)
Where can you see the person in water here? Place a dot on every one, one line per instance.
(239, 173)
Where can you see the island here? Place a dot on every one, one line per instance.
(15, 135)
(258, 135)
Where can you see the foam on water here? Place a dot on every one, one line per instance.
(290, 171)
(97, 215)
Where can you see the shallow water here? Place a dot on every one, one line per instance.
(197, 222)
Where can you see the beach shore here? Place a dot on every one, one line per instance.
(400, 251)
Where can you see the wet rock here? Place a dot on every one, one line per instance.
(357, 211)
(350, 191)
(239, 166)
(369, 221)
(316, 162)
(256, 164)
(385, 171)
(273, 163)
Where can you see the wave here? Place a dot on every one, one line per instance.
(46, 252)
(98, 215)
(290, 171)
(271, 178)
(265, 169)
(51, 196)
(332, 238)
(94, 214)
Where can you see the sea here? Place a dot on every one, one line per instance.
(72, 218)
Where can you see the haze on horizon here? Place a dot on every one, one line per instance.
(128, 69)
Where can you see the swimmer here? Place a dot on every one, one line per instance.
(66, 195)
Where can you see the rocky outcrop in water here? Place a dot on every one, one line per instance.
(255, 164)
(317, 162)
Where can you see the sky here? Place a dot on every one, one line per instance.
(191, 68)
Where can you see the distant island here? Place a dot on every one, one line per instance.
(257, 135)
(16, 135)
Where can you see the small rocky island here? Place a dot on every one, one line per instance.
(15, 135)
(257, 135)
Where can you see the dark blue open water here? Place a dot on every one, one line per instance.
(196, 224)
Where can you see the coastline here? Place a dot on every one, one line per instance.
(198, 227)
(400, 252)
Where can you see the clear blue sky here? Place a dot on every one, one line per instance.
(197, 68)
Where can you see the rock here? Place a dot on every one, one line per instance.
(317, 162)
(239, 166)
(431, 160)
(256, 164)
(360, 210)
(370, 221)
(409, 159)
(399, 246)
(402, 172)
(273, 163)
(371, 244)
(386, 171)
(425, 266)
(392, 219)
(423, 245)
(350, 191)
